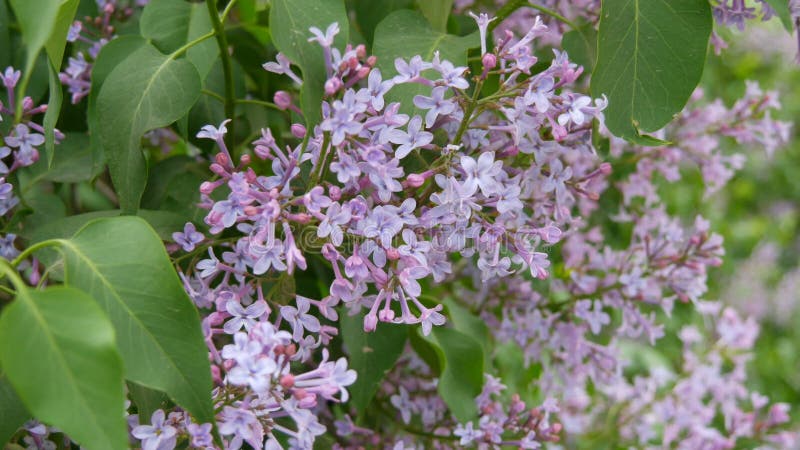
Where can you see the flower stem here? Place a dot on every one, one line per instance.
(227, 68)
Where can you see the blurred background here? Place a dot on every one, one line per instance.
(758, 212)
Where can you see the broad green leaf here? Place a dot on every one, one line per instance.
(404, 34)
(110, 56)
(461, 358)
(58, 36)
(465, 321)
(371, 355)
(123, 265)
(436, 11)
(163, 222)
(581, 46)
(369, 13)
(146, 90)
(71, 164)
(12, 412)
(289, 21)
(5, 36)
(781, 8)
(650, 58)
(172, 23)
(45, 24)
(147, 401)
(36, 20)
(58, 351)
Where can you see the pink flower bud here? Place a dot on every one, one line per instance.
(332, 85)
(287, 381)
(370, 322)
(298, 130)
(386, 315)
(415, 180)
(282, 99)
(222, 159)
(218, 170)
(489, 61)
(335, 193)
(245, 160)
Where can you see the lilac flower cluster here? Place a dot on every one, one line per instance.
(19, 148)
(681, 408)
(94, 33)
(408, 397)
(500, 182)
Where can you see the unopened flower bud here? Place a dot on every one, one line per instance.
(287, 381)
(332, 85)
(415, 180)
(282, 99)
(222, 159)
(244, 160)
(392, 254)
(298, 130)
(335, 193)
(372, 60)
(370, 322)
(386, 315)
(489, 61)
(217, 169)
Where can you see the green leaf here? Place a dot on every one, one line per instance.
(12, 412)
(56, 98)
(58, 351)
(436, 11)
(289, 21)
(581, 46)
(145, 91)
(147, 401)
(163, 222)
(465, 321)
(172, 23)
(57, 39)
(36, 21)
(45, 24)
(461, 358)
(111, 55)
(650, 58)
(123, 265)
(5, 36)
(781, 8)
(404, 34)
(369, 13)
(371, 355)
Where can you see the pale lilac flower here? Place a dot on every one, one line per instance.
(244, 317)
(436, 104)
(575, 112)
(25, 141)
(243, 425)
(324, 39)
(282, 66)
(483, 21)
(212, 132)
(159, 435)
(299, 318)
(416, 137)
(188, 238)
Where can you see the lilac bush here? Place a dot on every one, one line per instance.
(440, 234)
